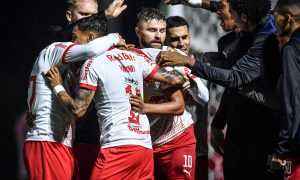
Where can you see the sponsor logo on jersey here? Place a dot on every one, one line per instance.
(131, 81)
(86, 69)
(137, 129)
(129, 68)
(61, 45)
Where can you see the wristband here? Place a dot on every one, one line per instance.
(197, 3)
(58, 88)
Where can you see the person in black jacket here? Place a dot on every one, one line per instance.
(287, 153)
(254, 73)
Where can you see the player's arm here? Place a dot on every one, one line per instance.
(78, 106)
(174, 107)
(81, 52)
(205, 4)
(174, 78)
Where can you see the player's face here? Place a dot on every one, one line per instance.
(179, 37)
(282, 25)
(238, 20)
(152, 34)
(79, 37)
(82, 8)
(227, 23)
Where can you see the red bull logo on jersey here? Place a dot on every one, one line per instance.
(120, 57)
(87, 68)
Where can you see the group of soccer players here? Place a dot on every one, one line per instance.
(146, 129)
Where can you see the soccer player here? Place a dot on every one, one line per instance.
(109, 79)
(48, 150)
(86, 143)
(172, 134)
(288, 25)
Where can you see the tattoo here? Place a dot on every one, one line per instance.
(173, 77)
(77, 106)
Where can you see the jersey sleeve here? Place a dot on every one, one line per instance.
(149, 68)
(88, 76)
(80, 52)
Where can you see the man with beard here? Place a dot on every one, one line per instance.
(172, 134)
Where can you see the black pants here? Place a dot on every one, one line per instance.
(248, 162)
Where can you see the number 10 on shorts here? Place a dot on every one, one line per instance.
(188, 161)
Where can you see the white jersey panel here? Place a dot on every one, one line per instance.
(164, 128)
(114, 75)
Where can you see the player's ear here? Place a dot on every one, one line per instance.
(69, 16)
(91, 36)
(137, 31)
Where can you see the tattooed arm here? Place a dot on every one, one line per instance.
(173, 77)
(78, 106)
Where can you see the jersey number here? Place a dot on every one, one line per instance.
(31, 88)
(132, 118)
(188, 161)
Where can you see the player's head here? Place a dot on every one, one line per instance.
(151, 28)
(227, 23)
(248, 13)
(178, 34)
(78, 9)
(287, 13)
(89, 28)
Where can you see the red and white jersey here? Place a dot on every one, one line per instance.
(165, 128)
(114, 75)
(51, 121)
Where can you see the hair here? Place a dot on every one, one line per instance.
(288, 6)
(96, 23)
(148, 14)
(176, 21)
(71, 3)
(255, 10)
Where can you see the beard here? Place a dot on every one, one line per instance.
(158, 44)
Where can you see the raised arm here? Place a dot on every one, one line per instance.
(81, 52)
(78, 106)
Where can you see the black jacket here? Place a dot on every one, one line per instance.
(256, 73)
(289, 137)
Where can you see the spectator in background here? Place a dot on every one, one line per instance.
(287, 155)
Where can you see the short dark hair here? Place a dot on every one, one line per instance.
(286, 6)
(95, 23)
(176, 21)
(147, 14)
(255, 10)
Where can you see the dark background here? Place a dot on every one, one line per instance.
(23, 24)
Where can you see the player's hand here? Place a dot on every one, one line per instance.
(122, 42)
(137, 103)
(217, 140)
(115, 9)
(187, 84)
(277, 164)
(168, 58)
(54, 77)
